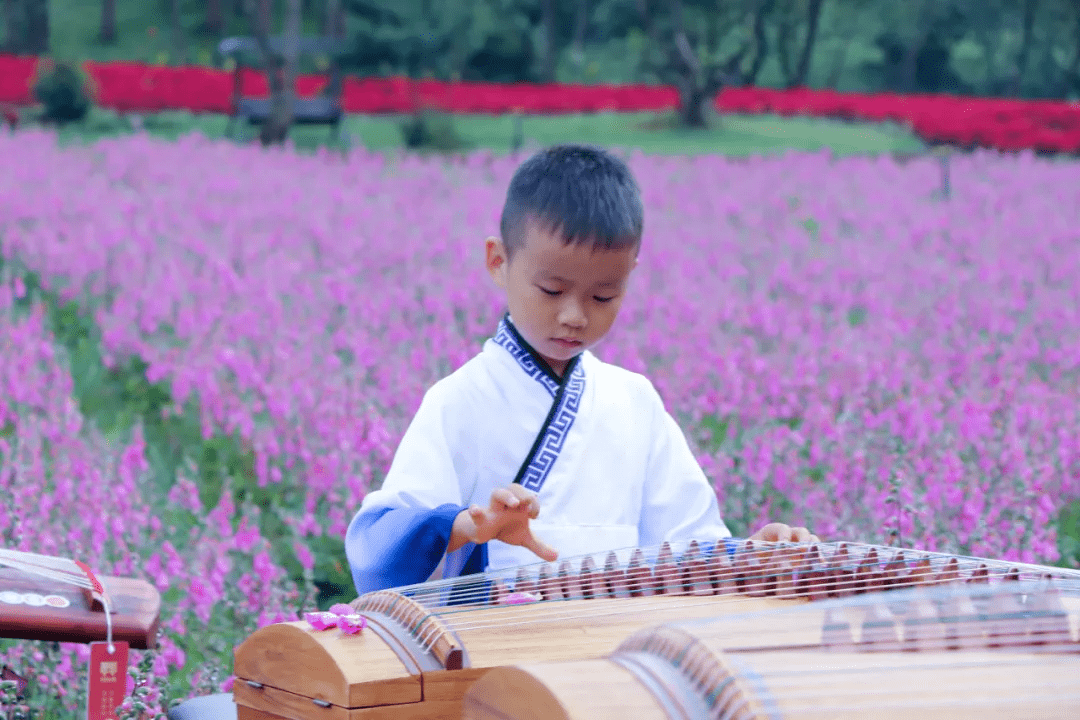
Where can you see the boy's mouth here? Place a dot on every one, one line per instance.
(566, 342)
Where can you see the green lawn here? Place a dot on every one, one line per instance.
(730, 135)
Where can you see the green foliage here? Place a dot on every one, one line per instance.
(475, 40)
(856, 316)
(62, 90)
(861, 45)
(117, 399)
(1069, 535)
(431, 131)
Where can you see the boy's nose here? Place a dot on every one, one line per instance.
(572, 315)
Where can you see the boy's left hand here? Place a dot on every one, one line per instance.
(779, 532)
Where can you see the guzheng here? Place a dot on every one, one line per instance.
(51, 598)
(426, 644)
(1009, 650)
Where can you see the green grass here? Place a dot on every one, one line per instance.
(730, 135)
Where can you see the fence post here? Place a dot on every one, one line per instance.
(518, 139)
(944, 153)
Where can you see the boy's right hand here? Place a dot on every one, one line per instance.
(506, 518)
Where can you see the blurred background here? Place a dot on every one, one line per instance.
(640, 71)
(239, 239)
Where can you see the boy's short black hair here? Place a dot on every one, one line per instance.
(582, 193)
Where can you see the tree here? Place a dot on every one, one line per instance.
(107, 33)
(1027, 35)
(847, 21)
(36, 38)
(177, 33)
(280, 67)
(475, 39)
(690, 48)
(333, 20)
(548, 48)
(14, 21)
(917, 47)
(215, 17)
(793, 52)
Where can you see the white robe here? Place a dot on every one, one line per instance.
(617, 473)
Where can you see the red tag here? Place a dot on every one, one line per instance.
(108, 680)
(20, 682)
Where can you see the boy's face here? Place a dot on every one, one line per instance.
(563, 298)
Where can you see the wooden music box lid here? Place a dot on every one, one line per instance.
(286, 667)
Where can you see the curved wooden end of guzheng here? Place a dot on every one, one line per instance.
(1018, 657)
(597, 689)
(419, 637)
(658, 674)
(293, 670)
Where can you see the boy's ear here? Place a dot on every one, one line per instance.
(496, 261)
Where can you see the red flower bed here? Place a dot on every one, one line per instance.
(988, 122)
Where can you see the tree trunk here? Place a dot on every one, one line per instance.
(176, 33)
(581, 23)
(803, 69)
(761, 40)
(215, 17)
(839, 60)
(334, 21)
(693, 105)
(784, 33)
(1030, 9)
(547, 59)
(698, 84)
(644, 16)
(909, 79)
(13, 23)
(107, 34)
(36, 40)
(281, 73)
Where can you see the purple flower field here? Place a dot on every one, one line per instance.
(846, 350)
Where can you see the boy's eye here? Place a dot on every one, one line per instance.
(549, 292)
(602, 299)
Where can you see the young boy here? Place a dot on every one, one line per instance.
(535, 448)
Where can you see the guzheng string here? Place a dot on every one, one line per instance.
(958, 646)
(62, 570)
(691, 571)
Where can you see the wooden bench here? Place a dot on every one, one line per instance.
(324, 109)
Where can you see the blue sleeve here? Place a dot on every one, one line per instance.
(391, 547)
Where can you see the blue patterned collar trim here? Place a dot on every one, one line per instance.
(508, 337)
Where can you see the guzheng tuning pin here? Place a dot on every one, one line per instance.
(696, 572)
(721, 571)
(639, 575)
(616, 578)
(590, 580)
(571, 582)
(550, 586)
(667, 572)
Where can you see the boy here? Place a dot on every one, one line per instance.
(569, 455)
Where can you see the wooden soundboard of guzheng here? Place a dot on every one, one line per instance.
(426, 644)
(994, 652)
(33, 607)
